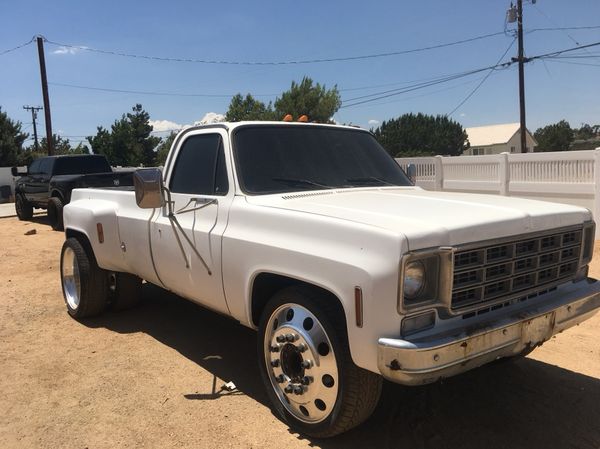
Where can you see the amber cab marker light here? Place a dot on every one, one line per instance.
(303, 118)
(358, 306)
(288, 118)
(100, 232)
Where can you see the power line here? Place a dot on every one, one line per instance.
(432, 92)
(564, 30)
(289, 62)
(560, 52)
(590, 56)
(417, 84)
(420, 86)
(17, 47)
(559, 28)
(482, 81)
(589, 64)
(140, 92)
(386, 94)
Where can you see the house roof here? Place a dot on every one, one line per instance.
(492, 135)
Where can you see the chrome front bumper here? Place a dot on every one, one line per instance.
(428, 359)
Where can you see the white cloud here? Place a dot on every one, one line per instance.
(373, 122)
(164, 125)
(68, 50)
(210, 117)
(462, 114)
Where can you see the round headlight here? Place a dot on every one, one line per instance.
(414, 279)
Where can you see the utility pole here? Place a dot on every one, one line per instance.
(34, 110)
(40, 46)
(521, 59)
(521, 76)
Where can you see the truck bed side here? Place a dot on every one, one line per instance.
(125, 244)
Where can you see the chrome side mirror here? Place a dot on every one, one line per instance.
(411, 171)
(148, 185)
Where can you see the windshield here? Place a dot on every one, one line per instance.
(84, 165)
(277, 159)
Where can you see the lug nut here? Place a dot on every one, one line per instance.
(288, 389)
(291, 337)
(306, 364)
(275, 363)
(275, 348)
(280, 338)
(280, 379)
(307, 380)
(298, 389)
(302, 347)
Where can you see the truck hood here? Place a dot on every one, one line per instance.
(428, 219)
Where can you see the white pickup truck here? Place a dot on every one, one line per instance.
(315, 237)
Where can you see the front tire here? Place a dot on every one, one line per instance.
(55, 213)
(306, 366)
(23, 209)
(84, 284)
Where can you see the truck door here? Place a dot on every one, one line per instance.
(186, 247)
(36, 187)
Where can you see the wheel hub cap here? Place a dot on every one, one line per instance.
(71, 280)
(301, 363)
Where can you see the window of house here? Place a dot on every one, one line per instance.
(200, 166)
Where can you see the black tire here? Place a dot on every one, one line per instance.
(23, 208)
(55, 213)
(93, 281)
(358, 390)
(127, 291)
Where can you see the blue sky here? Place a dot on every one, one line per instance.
(282, 31)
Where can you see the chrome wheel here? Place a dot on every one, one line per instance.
(71, 279)
(301, 363)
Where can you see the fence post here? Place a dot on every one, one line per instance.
(596, 211)
(439, 173)
(504, 173)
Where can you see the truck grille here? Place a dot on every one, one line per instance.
(491, 273)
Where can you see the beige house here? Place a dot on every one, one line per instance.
(496, 139)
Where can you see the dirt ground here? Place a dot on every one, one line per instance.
(150, 377)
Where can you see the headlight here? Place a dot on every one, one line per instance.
(425, 280)
(414, 279)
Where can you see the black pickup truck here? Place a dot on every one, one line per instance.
(48, 181)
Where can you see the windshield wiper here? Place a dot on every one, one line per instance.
(370, 180)
(305, 182)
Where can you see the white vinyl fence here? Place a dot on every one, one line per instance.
(570, 177)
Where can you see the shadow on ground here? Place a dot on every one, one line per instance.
(520, 404)
(40, 218)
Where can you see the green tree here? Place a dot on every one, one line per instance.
(313, 100)
(61, 145)
(162, 150)
(585, 132)
(248, 108)
(555, 137)
(421, 134)
(129, 141)
(11, 140)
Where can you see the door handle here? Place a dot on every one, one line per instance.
(204, 200)
(201, 203)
